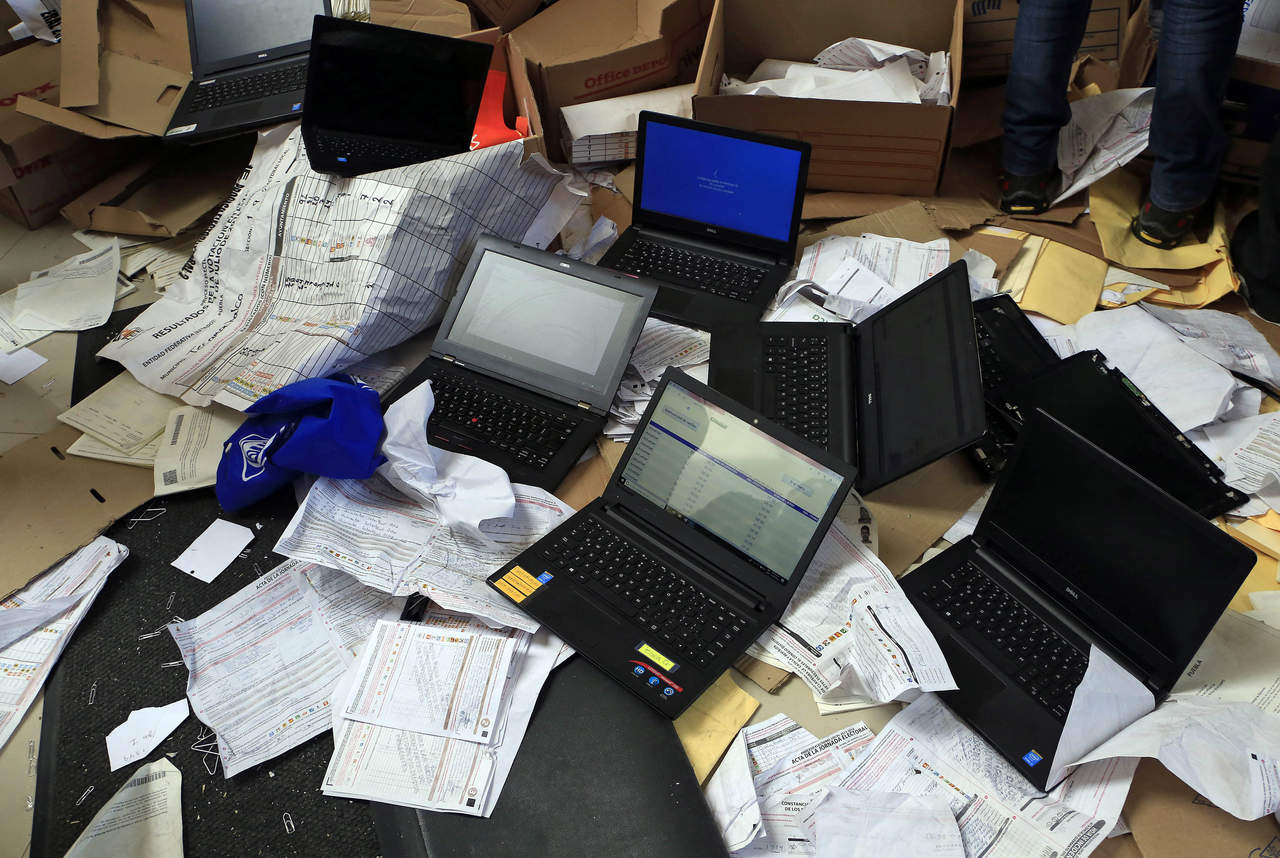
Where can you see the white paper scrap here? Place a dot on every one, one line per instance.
(858, 824)
(143, 731)
(17, 365)
(74, 295)
(143, 818)
(1106, 132)
(213, 550)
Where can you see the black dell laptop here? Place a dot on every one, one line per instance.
(700, 539)
(383, 97)
(248, 66)
(1073, 550)
(714, 218)
(890, 394)
(1021, 372)
(528, 357)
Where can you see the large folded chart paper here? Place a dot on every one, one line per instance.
(304, 274)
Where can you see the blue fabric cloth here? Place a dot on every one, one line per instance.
(1196, 45)
(331, 427)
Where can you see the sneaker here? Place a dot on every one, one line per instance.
(1160, 227)
(1028, 195)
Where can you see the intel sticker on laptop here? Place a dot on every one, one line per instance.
(1031, 758)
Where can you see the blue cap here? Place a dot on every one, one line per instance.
(331, 427)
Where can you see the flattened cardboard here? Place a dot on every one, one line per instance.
(582, 50)
(507, 14)
(161, 196)
(54, 503)
(1169, 820)
(137, 94)
(856, 146)
(74, 121)
(989, 26)
(913, 512)
(911, 221)
(441, 17)
(80, 40)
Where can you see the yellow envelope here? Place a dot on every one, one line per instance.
(1065, 284)
(1217, 280)
(1269, 519)
(1113, 203)
(709, 724)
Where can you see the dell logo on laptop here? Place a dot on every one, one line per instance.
(712, 230)
(262, 56)
(1072, 593)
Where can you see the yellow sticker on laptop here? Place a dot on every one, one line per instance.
(521, 579)
(658, 658)
(510, 592)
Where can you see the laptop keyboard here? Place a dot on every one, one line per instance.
(372, 150)
(250, 87)
(799, 367)
(712, 274)
(1048, 667)
(530, 435)
(670, 607)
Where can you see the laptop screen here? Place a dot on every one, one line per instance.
(718, 180)
(733, 481)
(518, 314)
(1115, 540)
(393, 83)
(224, 29)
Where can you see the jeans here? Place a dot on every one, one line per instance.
(1197, 41)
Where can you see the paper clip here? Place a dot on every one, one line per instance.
(206, 745)
(177, 663)
(83, 796)
(152, 634)
(168, 606)
(288, 824)
(148, 514)
(93, 692)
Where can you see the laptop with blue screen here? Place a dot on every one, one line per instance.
(714, 218)
(697, 544)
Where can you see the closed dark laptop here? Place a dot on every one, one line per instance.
(714, 218)
(890, 394)
(383, 97)
(1021, 372)
(528, 357)
(1073, 550)
(248, 65)
(700, 539)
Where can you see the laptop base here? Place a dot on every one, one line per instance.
(202, 126)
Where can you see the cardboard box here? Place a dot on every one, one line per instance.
(1251, 116)
(518, 99)
(507, 14)
(583, 50)
(989, 25)
(859, 146)
(1169, 820)
(162, 195)
(125, 65)
(442, 17)
(41, 166)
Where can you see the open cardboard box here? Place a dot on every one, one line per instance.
(441, 17)
(518, 99)
(869, 147)
(42, 166)
(582, 50)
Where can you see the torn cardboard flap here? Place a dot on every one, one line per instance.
(911, 221)
(73, 121)
(441, 17)
(54, 503)
(161, 196)
(80, 41)
(137, 94)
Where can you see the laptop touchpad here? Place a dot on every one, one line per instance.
(978, 684)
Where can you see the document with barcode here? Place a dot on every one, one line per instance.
(190, 447)
(144, 817)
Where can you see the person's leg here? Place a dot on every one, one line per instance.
(1193, 62)
(1045, 41)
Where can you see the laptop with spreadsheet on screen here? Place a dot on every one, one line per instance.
(528, 356)
(697, 545)
(714, 218)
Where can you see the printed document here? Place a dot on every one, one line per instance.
(848, 824)
(261, 668)
(926, 751)
(304, 274)
(444, 682)
(91, 448)
(27, 662)
(190, 447)
(74, 295)
(850, 629)
(144, 817)
(1106, 132)
(121, 413)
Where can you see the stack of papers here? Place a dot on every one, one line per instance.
(851, 634)
(771, 772)
(605, 130)
(161, 260)
(854, 70)
(262, 665)
(435, 711)
(369, 530)
(122, 420)
(851, 277)
(36, 624)
(661, 345)
(73, 295)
